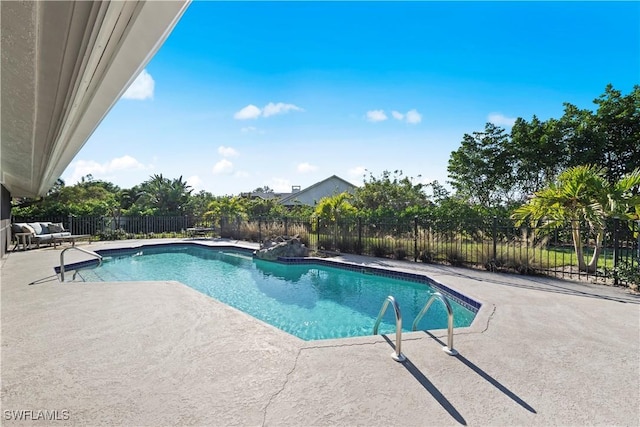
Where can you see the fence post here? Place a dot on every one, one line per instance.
(495, 237)
(318, 233)
(616, 250)
(415, 239)
(71, 224)
(638, 243)
(359, 251)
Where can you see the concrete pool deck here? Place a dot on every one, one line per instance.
(541, 352)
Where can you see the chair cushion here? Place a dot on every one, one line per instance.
(43, 237)
(16, 228)
(62, 234)
(36, 226)
(27, 228)
(45, 227)
(56, 228)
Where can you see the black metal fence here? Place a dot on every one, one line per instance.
(490, 244)
(111, 228)
(493, 245)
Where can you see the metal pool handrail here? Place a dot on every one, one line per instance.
(448, 348)
(78, 249)
(397, 355)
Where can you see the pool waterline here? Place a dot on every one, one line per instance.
(311, 298)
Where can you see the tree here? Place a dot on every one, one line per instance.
(225, 208)
(617, 122)
(480, 170)
(389, 195)
(198, 204)
(537, 154)
(265, 208)
(265, 189)
(581, 194)
(335, 208)
(163, 196)
(57, 186)
(492, 167)
(82, 199)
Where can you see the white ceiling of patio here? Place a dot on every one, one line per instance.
(64, 65)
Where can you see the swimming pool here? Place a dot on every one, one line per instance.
(310, 301)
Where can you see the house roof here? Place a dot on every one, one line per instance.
(263, 195)
(290, 197)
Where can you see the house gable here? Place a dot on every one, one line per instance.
(311, 195)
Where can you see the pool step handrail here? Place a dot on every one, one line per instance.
(438, 296)
(397, 355)
(93, 254)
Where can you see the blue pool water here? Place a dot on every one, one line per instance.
(309, 301)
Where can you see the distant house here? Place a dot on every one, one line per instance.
(264, 195)
(309, 196)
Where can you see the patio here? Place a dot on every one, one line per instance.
(541, 352)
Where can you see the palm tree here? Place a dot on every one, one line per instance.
(581, 195)
(334, 209)
(165, 196)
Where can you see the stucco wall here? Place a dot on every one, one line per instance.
(5, 220)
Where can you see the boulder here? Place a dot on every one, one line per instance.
(282, 246)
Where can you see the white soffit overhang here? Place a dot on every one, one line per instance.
(64, 65)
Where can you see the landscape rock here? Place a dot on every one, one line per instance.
(282, 246)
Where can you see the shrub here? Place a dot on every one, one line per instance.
(379, 251)
(426, 256)
(400, 253)
(455, 257)
(345, 245)
(118, 234)
(628, 273)
(325, 243)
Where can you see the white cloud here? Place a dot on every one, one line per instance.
(252, 129)
(376, 116)
(122, 163)
(306, 167)
(227, 151)
(195, 182)
(413, 117)
(224, 166)
(242, 174)
(280, 185)
(357, 171)
(119, 164)
(397, 115)
(272, 109)
(501, 120)
(248, 112)
(141, 88)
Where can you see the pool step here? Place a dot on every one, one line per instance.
(97, 275)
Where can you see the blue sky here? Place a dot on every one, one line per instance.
(243, 95)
